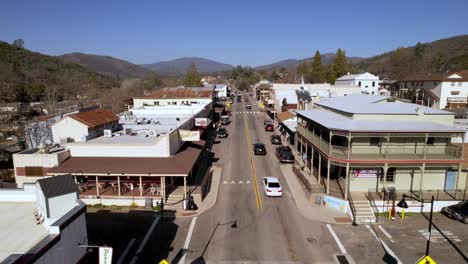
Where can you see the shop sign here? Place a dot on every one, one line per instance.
(188, 135)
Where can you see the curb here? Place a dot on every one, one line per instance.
(215, 182)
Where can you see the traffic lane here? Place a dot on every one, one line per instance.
(448, 243)
(235, 202)
(305, 240)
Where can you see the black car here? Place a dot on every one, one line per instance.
(248, 106)
(284, 154)
(457, 211)
(222, 133)
(259, 149)
(275, 139)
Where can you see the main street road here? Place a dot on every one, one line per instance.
(268, 229)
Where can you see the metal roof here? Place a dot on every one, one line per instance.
(335, 121)
(56, 186)
(375, 104)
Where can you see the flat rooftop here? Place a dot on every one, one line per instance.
(375, 104)
(18, 229)
(335, 121)
(125, 139)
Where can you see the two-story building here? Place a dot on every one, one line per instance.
(176, 96)
(364, 144)
(368, 82)
(442, 91)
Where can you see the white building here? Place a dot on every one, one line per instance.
(175, 96)
(81, 127)
(221, 90)
(442, 91)
(368, 82)
(43, 223)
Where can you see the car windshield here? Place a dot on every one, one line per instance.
(274, 184)
(259, 145)
(464, 205)
(286, 149)
(276, 137)
(222, 129)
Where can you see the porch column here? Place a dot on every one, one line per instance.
(74, 177)
(457, 180)
(97, 186)
(185, 187)
(330, 144)
(348, 152)
(346, 181)
(388, 145)
(141, 187)
(328, 176)
(425, 145)
(319, 170)
(163, 189)
(312, 161)
(423, 167)
(118, 184)
(385, 175)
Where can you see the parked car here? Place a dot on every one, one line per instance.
(457, 211)
(222, 133)
(272, 187)
(269, 127)
(246, 100)
(259, 149)
(225, 119)
(267, 121)
(248, 106)
(275, 139)
(284, 154)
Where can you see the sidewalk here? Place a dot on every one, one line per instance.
(307, 208)
(209, 200)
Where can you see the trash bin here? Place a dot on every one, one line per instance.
(391, 193)
(318, 200)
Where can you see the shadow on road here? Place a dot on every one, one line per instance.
(117, 229)
(448, 239)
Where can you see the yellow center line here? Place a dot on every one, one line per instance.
(252, 165)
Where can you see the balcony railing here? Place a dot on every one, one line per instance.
(457, 99)
(382, 151)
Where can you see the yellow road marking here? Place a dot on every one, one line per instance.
(252, 165)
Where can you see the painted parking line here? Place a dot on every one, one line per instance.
(125, 252)
(438, 237)
(337, 240)
(386, 247)
(187, 240)
(386, 234)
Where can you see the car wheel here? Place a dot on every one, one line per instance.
(465, 220)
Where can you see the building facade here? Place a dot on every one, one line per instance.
(368, 82)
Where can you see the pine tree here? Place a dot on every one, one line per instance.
(317, 72)
(340, 65)
(192, 77)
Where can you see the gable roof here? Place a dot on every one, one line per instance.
(354, 76)
(57, 185)
(96, 117)
(285, 115)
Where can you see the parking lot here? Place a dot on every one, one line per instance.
(406, 240)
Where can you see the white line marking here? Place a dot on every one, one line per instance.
(148, 234)
(247, 182)
(386, 233)
(240, 182)
(337, 240)
(187, 240)
(225, 182)
(386, 247)
(125, 252)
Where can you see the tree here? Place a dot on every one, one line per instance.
(399, 63)
(303, 69)
(438, 62)
(330, 74)
(274, 76)
(340, 65)
(19, 43)
(192, 77)
(151, 80)
(317, 74)
(419, 50)
(284, 105)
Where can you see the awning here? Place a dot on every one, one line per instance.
(180, 164)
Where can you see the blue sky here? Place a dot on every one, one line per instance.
(236, 32)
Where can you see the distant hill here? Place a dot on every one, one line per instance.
(33, 76)
(449, 54)
(179, 66)
(291, 64)
(106, 65)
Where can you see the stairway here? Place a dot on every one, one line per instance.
(364, 212)
(174, 200)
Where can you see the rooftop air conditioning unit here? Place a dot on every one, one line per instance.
(107, 133)
(128, 131)
(152, 133)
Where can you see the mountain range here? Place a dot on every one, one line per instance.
(180, 66)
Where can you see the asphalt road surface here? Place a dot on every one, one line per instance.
(245, 225)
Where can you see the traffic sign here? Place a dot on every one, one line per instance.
(164, 261)
(426, 260)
